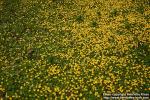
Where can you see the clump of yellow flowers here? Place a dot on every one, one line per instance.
(73, 49)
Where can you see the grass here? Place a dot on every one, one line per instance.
(73, 49)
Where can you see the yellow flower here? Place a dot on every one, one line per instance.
(121, 89)
(56, 89)
(68, 98)
(97, 94)
(80, 94)
(54, 69)
(10, 98)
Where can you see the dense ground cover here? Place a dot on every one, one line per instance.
(73, 49)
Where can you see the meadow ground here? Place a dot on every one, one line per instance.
(73, 49)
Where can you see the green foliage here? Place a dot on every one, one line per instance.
(56, 60)
(113, 13)
(140, 9)
(142, 54)
(80, 18)
(94, 24)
